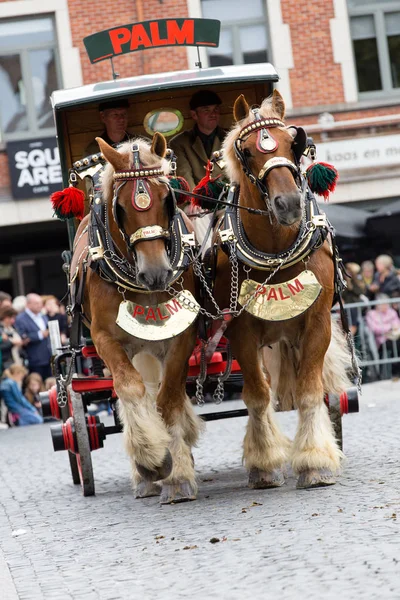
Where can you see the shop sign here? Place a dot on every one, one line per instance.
(34, 167)
(361, 153)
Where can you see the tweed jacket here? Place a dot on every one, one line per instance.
(191, 158)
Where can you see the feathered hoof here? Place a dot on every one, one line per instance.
(147, 489)
(263, 480)
(314, 478)
(160, 472)
(173, 493)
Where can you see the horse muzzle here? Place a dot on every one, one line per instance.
(287, 208)
(153, 274)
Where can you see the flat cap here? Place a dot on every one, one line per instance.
(113, 104)
(204, 98)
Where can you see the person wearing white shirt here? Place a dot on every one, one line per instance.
(31, 324)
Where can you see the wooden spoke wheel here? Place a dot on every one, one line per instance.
(335, 415)
(83, 455)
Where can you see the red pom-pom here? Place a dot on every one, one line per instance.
(208, 186)
(68, 203)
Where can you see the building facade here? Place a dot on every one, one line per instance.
(339, 68)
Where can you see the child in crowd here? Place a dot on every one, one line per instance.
(16, 403)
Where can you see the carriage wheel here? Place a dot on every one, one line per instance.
(335, 415)
(73, 464)
(83, 456)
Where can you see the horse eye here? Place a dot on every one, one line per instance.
(247, 153)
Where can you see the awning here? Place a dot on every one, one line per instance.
(348, 222)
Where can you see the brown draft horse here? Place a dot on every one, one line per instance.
(299, 367)
(159, 424)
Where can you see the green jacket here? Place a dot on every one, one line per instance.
(191, 158)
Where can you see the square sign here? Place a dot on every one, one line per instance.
(34, 167)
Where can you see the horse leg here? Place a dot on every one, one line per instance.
(182, 423)
(316, 456)
(145, 435)
(265, 448)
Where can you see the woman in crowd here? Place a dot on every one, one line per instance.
(31, 387)
(10, 340)
(384, 322)
(367, 276)
(386, 280)
(16, 403)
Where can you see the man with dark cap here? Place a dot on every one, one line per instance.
(114, 115)
(194, 147)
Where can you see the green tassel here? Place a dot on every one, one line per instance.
(322, 178)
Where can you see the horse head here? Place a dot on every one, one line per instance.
(141, 205)
(262, 148)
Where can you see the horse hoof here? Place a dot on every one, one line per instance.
(314, 478)
(147, 489)
(177, 492)
(160, 472)
(263, 480)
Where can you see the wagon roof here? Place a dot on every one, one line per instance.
(107, 90)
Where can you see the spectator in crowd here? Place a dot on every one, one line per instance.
(5, 299)
(31, 324)
(19, 303)
(51, 308)
(114, 116)
(367, 275)
(386, 280)
(16, 403)
(384, 322)
(194, 147)
(10, 340)
(31, 386)
(354, 293)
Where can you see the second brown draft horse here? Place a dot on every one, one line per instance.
(285, 292)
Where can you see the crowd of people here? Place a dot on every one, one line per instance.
(25, 354)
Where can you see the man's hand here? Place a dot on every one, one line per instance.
(45, 333)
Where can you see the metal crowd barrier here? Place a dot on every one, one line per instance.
(374, 365)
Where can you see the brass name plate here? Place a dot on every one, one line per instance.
(160, 321)
(281, 301)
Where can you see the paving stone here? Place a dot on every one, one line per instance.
(338, 542)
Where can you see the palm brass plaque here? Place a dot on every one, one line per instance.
(281, 301)
(161, 321)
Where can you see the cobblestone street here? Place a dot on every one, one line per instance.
(338, 542)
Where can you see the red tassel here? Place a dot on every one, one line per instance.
(68, 203)
(322, 178)
(206, 186)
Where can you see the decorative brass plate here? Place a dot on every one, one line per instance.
(161, 321)
(281, 301)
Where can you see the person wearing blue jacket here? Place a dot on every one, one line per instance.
(17, 404)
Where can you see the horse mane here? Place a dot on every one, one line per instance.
(233, 167)
(147, 158)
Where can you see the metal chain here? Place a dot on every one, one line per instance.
(234, 294)
(201, 377)
(63, 382)
(219, 392)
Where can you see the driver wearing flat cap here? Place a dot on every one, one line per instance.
(194, 147)
(114, 115)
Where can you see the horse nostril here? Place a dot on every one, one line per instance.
(280, 203)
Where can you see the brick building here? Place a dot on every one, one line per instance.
(339, 68)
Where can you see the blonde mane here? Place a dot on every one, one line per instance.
(233, 167)
(146, 157)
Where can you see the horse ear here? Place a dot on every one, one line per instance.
(240, 109)
(278, 104)
(159, 144)
(111, 155)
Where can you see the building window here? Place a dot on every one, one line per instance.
(243, 37)
(375, 31)
(29, 73)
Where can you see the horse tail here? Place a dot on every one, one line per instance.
(335, 373)
(281, 363)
